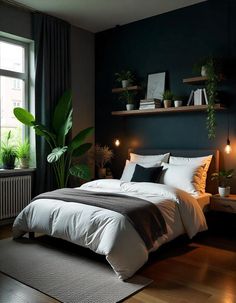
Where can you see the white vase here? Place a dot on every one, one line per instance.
(125, 83)
(129, 106)
(178, 103)
(203, 71)
(224, 191)
(24, 163)
(102, 173)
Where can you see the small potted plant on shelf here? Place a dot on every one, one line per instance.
(167, 98)
(23, 154)
(223, 177)
(125, 78)
(103, 155)
(128, 97)
(8, 153)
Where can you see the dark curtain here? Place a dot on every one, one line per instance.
(52, 78)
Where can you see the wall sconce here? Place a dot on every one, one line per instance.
(228, 147)
(117, 142)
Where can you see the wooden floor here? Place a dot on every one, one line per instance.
(200, 271)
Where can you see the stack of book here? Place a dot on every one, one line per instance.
(198, 97)
(149, 103)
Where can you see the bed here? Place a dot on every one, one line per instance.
(110, 233)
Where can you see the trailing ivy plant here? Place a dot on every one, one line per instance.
(211, 89)
(62, 153)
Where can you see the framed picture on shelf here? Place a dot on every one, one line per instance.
(156, 85)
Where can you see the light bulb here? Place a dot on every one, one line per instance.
(117, 142)
(228, 148)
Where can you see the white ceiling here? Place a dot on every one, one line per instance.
(98, 15)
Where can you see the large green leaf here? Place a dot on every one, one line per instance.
(64, 129)
(62, 110)
(79, 138)
(56, 154)
(81, 171)
(43, 131)
(23, 116)
(82, 149)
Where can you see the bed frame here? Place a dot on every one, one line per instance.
(211, 187)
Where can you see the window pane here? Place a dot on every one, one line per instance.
(11, 95)
(12, 57)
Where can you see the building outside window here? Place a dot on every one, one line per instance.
(14, 86)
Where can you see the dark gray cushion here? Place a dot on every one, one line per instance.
(146, 174)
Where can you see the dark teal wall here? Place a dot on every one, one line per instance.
(171, 42)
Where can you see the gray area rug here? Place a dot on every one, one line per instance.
(65, 271)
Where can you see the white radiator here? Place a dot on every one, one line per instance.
(15, 194)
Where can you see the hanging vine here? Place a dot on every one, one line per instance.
(211, 89)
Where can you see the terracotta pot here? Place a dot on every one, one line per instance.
(167, 103)
(224, 191)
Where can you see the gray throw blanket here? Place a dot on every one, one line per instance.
(144, 216)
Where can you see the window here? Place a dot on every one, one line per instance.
(13, 86)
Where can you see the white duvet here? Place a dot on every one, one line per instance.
(107, 232)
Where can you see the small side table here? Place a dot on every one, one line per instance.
(223, 204)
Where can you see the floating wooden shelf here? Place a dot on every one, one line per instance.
(195, 80)
(121, 89)
(200, 80)
(156, 111)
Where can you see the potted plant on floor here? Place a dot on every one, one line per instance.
(103, 155)
(167, 97)
(8, 153)
(223, 177)
(125, 78)
(23, 154)
(63, 150)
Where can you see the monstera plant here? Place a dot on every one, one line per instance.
(62, 151)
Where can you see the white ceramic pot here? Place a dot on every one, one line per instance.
(125, 83)
(102, 173)
(167, 103)
(203, 71)
(178, 103)
(129, 106)
(224, 191)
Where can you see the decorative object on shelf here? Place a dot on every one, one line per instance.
(117, 142)
(125, 77)
(167, 98)
(156, 85)
(103, 155)
(228, 147)
(178, 103)
(149, 103)
(223, 177)
(8, 153)
(23, 154)
(62, 154)
(209, 66)
(203, 71)
(128, 97)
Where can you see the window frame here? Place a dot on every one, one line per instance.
(24, 76)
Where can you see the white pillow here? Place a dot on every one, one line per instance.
(185, 177)
(206, 161)
(149, 158)
(130, 168)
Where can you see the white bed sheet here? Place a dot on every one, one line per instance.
(107, 232)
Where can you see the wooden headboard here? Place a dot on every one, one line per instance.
(211, 187)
